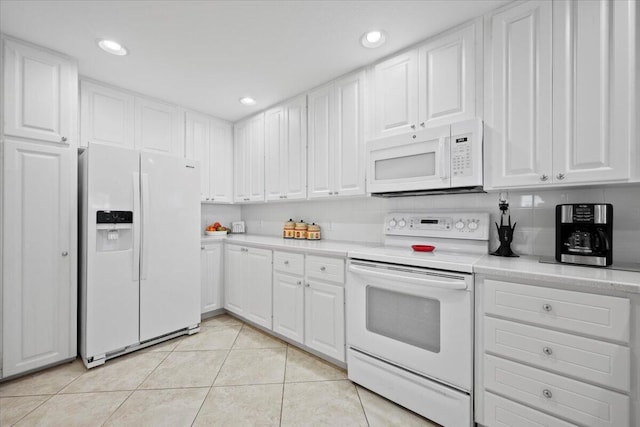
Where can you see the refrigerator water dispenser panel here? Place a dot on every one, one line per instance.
(114, 231)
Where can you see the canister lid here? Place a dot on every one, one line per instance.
(314, 227)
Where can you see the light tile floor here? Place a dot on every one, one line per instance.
(228, 374)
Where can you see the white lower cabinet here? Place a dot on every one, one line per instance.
(288, 306)
(211, 276)
(551, 357)
(248, 285)
(324, 318)
(39, 259)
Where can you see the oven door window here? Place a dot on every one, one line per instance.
(405, 318)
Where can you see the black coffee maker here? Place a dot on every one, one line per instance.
(584, 234)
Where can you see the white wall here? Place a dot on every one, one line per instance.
(224, 214)
(361, 219)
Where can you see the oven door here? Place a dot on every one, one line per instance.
(417, 161)
(415, 318)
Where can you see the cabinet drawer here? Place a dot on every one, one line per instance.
(287, 262)
(330, 269)
(581, 403)
(500, 412)
(589, 314)
(584, 358)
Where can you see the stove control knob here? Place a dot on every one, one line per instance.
(459, 224)
(393, 223)
(473, 225)
(402, 223)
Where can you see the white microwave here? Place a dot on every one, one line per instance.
(443, 159)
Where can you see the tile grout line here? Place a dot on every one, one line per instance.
(136, 389)
(284, 380)
(216, 377)
(361, 405)
(31, 411)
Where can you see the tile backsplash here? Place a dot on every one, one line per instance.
(360, 219)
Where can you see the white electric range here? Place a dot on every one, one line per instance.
(410, 314)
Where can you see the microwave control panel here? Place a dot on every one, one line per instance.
(461, 164)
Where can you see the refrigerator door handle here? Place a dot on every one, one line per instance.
(136, 226)
(144, 252)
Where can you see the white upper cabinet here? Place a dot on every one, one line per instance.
(431, 85)
(40, 94)
(518, 111)
(197, 147)
(286, 150)
(275, 146)
(209, 140)
(106, 115)
(336, 138)
(446, 78)
(249, 160)
(220, 162)
(560, 93)
(396, 94)
(159, 127)
(592, 90)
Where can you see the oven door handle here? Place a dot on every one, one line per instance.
(457, 285)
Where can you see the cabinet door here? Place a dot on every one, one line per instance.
(197, 147)
(256, 159)
(592, 92)
(258, 269)
(159, 127)
(275, 153)
(294, 173)
(39, 306)
(240, 167)
(396, 95)
(447, 78)
(220, 163)
(324, 318)
(211, 279)
(320, 162)
(106, 116)
(235, 279)
(288, 306)
(518, 129)
(348, 145)
(40, 94)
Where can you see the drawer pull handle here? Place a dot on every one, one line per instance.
(286, 263)
(307, 285)
(547, 351)
(299, 282)
(323, 268)
(547, 393)
(546, 307)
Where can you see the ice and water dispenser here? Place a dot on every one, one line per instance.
(114, 231)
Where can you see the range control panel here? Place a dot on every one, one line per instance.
(453, 225)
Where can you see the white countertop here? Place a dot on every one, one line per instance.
(314, 247)
(524, 267)
(529, 267)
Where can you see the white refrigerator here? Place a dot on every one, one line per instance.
(140, 250)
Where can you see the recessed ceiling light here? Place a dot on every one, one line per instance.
(247, 101)
(373, 39)
(112, 47)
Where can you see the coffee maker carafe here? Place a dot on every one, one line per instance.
(584, 234)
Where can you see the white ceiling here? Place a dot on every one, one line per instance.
(205, 55)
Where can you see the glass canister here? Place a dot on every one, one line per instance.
(300, 231)
(313, 232)
(289, 229)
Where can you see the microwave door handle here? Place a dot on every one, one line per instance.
(443, 146)
(435, 283)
